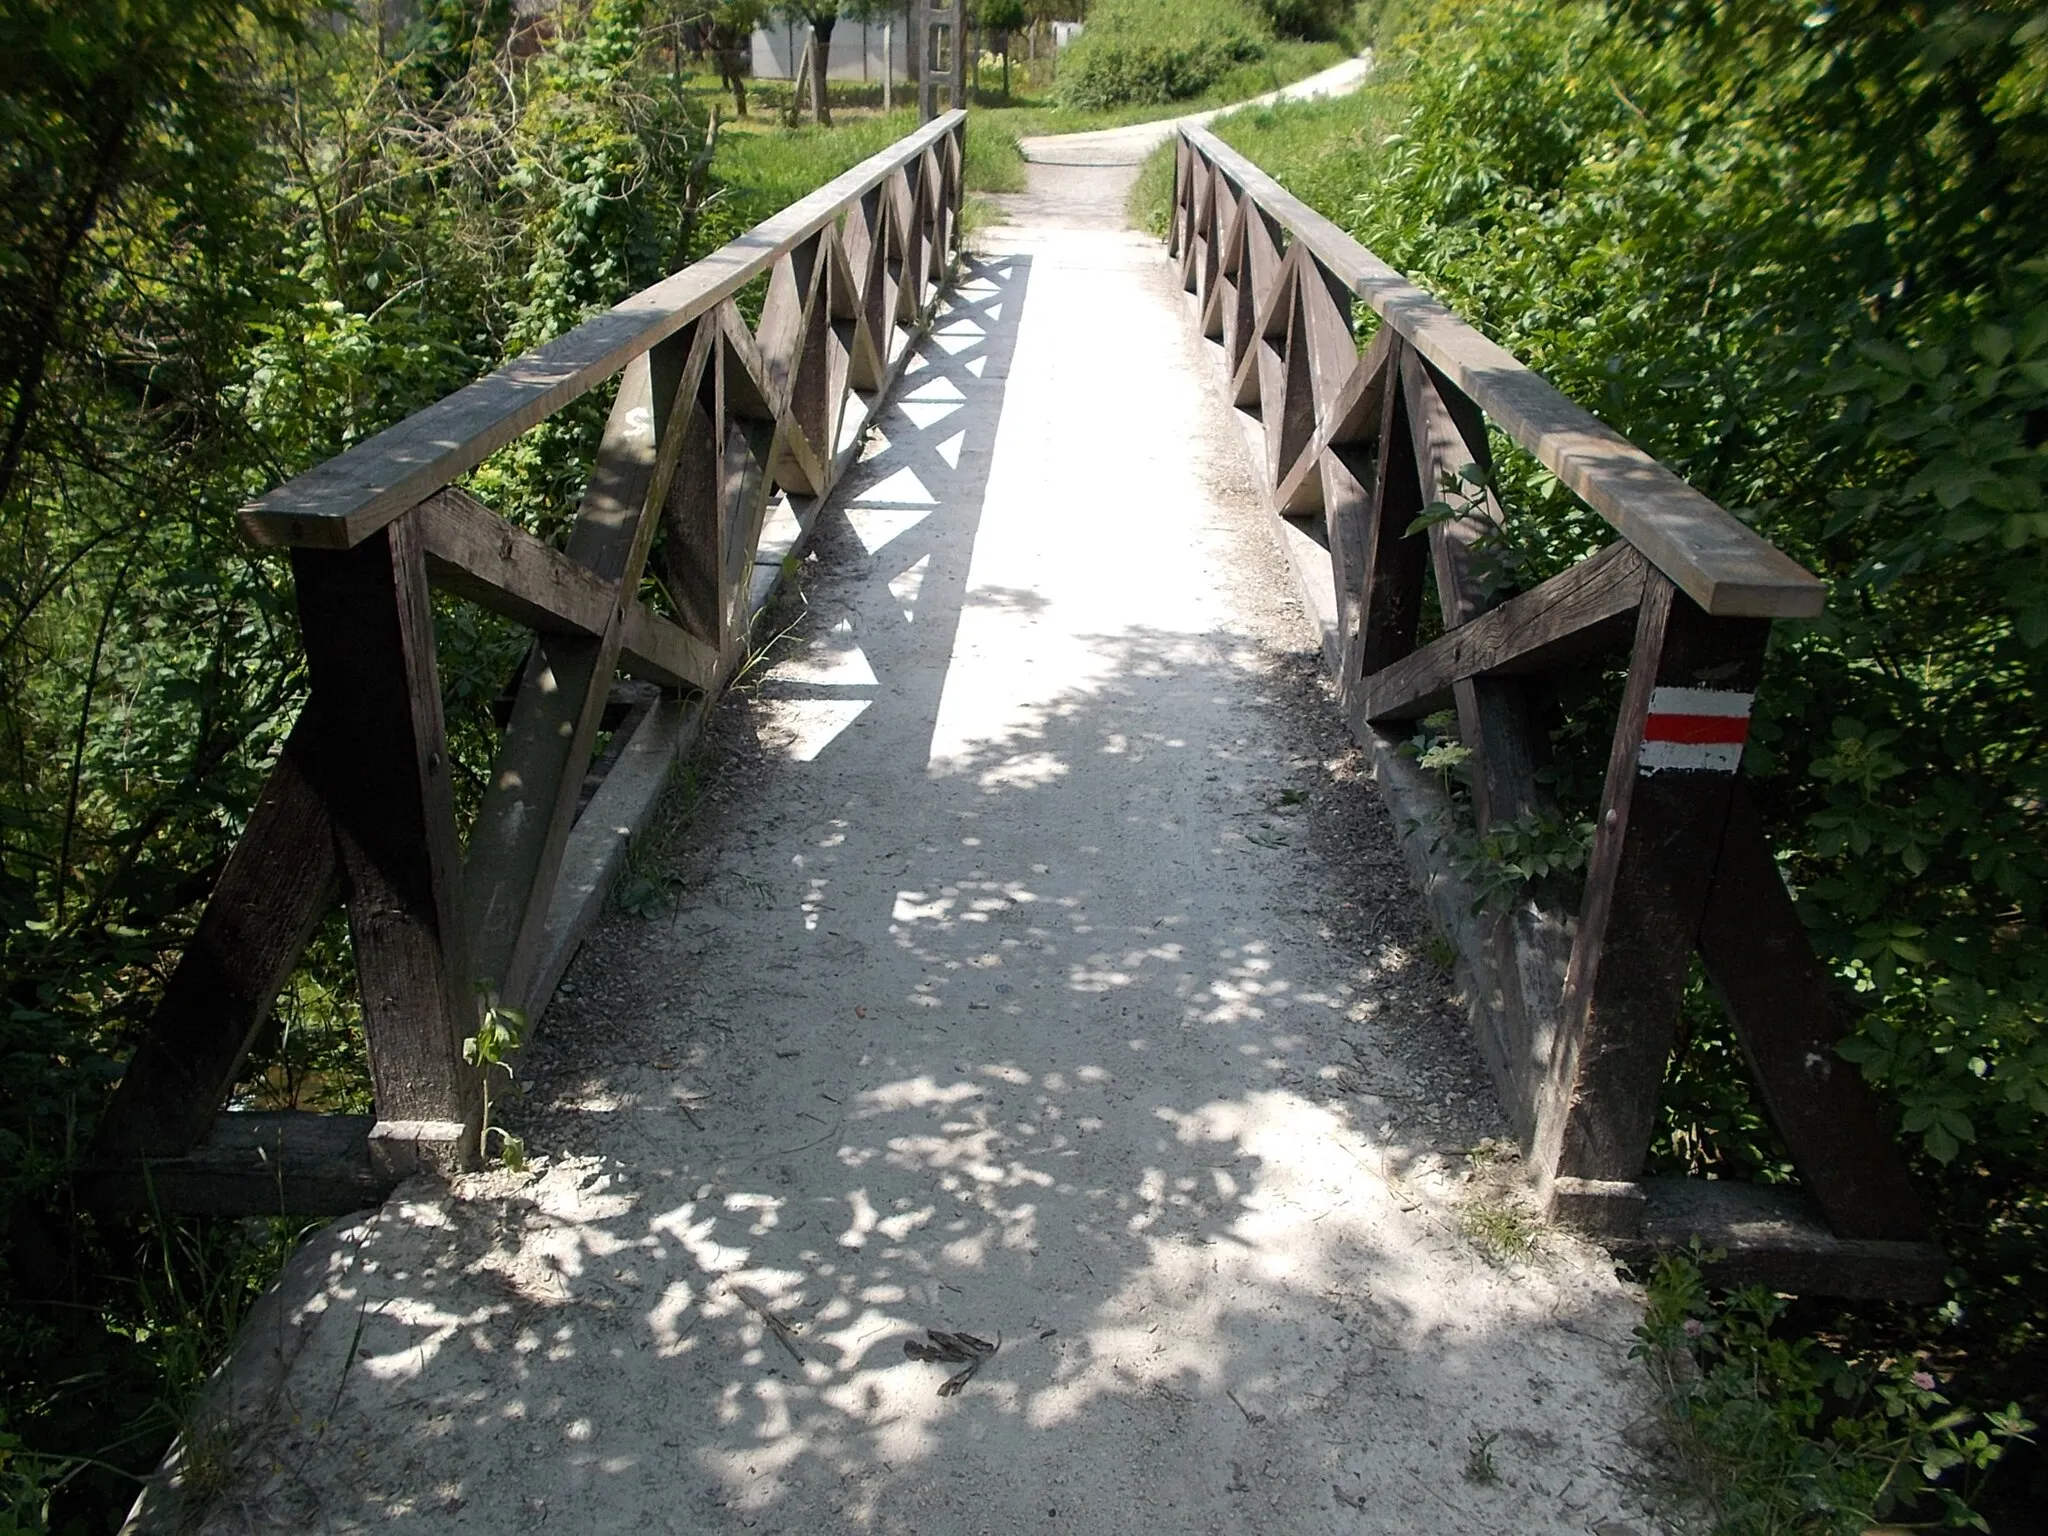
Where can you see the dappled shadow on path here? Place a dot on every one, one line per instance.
(995, 999)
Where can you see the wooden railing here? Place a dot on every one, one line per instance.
(712, 419)
(1575, 1019)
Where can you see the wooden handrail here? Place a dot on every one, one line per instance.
(336, 505)
(712, 419)
(1724, 566)
(1576, 1019)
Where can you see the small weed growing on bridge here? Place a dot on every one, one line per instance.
(499, 1033)
(1479, 1467)
(1500, 1232)
(1440, 952)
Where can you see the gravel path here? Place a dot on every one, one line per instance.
(1033, 964)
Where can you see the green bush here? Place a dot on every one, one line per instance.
(1135, 51)
(1776, 1434)
(1319, 19)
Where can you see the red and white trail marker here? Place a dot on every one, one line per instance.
(1694, 730)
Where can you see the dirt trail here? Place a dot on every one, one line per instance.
(1037, 967)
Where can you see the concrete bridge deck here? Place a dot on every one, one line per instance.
(1036, 965)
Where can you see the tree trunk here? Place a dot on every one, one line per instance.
(821, 55)
(1006, 66)
(730, 69)
(795, 114)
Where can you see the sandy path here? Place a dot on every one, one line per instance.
(1037, 966)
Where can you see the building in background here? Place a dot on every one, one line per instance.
(858, 49)
(862, 50)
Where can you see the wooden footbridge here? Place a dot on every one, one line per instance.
(724, 441)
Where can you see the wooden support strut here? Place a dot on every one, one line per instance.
(1499, 719)
(1788, 1017)
(530, 800)
(279, 882)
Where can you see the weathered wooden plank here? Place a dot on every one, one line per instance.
(596, 851)
(1273, 349)
(860, 362)
(1347, 416)
(695, 514)
(1663, 814)
(1293, 424)
(1788, 1018)
(810, 392)
(343, 500)
(1568, 616)
(269, 1163)
(1725, 567)
(779, 336)
(381, 766)
(277, 885)
(652, 648)
(477, 555)
(1771, 1237)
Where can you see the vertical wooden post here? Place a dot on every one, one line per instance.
(382, 769)
(941, 39)
(1670, 777)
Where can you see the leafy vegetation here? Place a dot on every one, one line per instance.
(1794, 252)
(1783, 1435)
(1159, 50)
(1136, 52)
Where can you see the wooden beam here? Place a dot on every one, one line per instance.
(530, 802)
(1788, 1016)
(341, 502)
(269, 1163)
(1568, 616)
(477, 555)
(652, 648)
(1724, 566)
(382, 769)
(279, 882)
(1774, 1238)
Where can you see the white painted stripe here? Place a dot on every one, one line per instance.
(1700, 701)
(1656, 756)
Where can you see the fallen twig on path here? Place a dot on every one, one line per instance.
(952, 1348)
(784, 1334)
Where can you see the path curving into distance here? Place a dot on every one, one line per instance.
(1038, 966)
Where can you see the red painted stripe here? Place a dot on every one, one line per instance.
(1698, 730)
